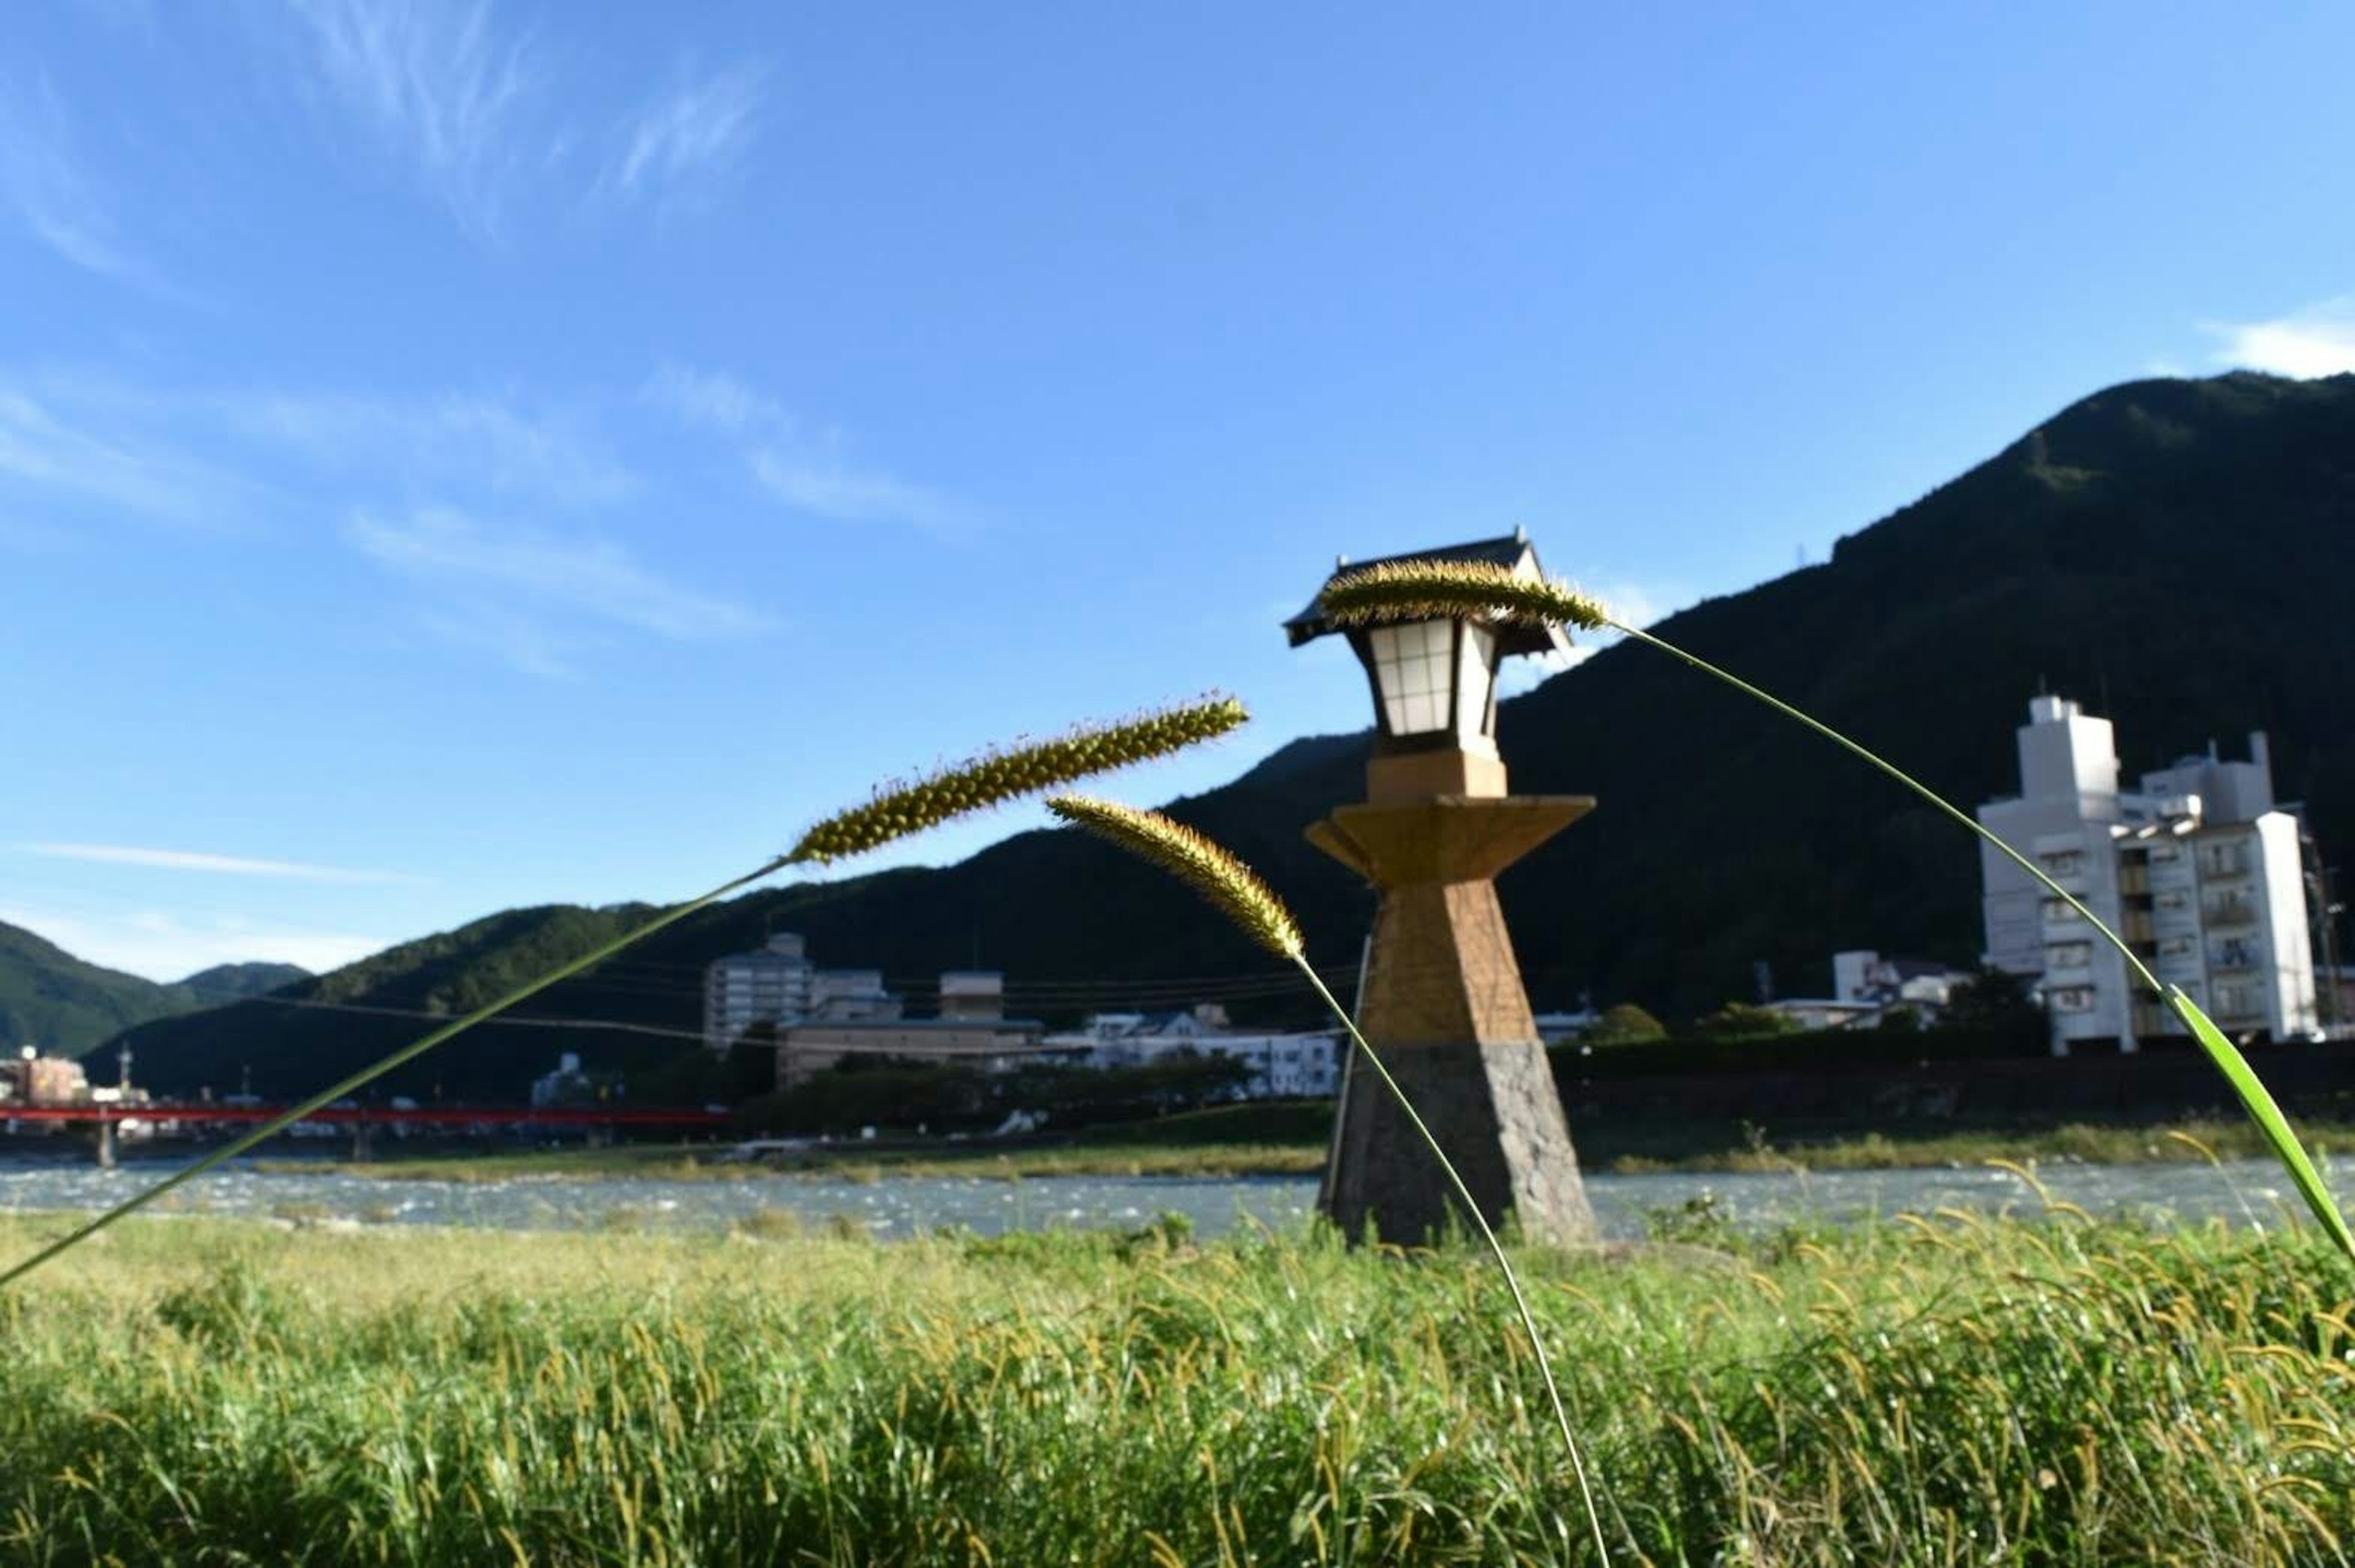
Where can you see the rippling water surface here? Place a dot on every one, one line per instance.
(2241, 1192)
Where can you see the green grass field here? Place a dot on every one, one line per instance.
(1949, 1392)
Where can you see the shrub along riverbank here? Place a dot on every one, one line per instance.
(1947, 1392)
(1288, 1139)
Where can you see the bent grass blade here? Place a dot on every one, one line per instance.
(1236, 891)
(2268, 1116)
(896, 811)
(1403, 590)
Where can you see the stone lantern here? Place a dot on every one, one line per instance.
(1440, 998)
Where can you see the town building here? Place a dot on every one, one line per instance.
(778, 983)
(1564, 1027)
(29, 1078)
(993, 1045)
(568, 1085)
(1282, 1065)
(1922, 986)
(2198, 870)
(1814, 1013)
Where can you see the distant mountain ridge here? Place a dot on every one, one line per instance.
(2166, 550)
(53, 1000)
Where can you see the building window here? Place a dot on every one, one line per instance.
(2223, 861)
(2073, 1000)
(2064, 863)
(2069, 954)
(2236, 952)
(2060, 912)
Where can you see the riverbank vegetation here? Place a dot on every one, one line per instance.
(1289, 1137)
(1940, 1391)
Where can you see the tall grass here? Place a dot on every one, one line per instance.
(1933, 1392)
(1236, 891)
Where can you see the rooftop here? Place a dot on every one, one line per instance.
(1513, 551)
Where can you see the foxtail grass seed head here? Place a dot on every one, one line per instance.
(1185, 854)
(996, 776)
(1434, 590)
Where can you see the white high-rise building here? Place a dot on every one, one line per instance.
(2197, 869)
(773, 984)
(779, 984)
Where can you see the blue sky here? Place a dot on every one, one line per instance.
(460, 455)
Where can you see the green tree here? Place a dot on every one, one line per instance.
(1994, 1002)
(1742, 1020)
(1626, 1024)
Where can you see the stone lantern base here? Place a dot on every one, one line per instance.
(1443, 1005)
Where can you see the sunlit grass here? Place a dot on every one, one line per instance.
(1947, 1391)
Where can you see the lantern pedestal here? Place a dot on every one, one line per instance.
(1443, 1004)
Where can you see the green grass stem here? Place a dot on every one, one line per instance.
(2255, 1097)
(1497, 1248)
(377, 1069)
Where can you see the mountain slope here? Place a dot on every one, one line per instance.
(2166, 550)
(51, 999)
(235, 982)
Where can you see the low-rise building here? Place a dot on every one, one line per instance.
(29, 1078)
(568, 1085)
(1825, 1012)
(1282, 1065)
(1919, 986)
(993, 1045)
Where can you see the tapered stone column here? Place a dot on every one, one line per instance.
(1443, 1004)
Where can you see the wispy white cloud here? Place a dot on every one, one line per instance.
(2316, 341)
(492, 441)
(714, 400)
(166, 946)
(805, 470)
(501, 582)
(440, 85)
(99, 439)
(525, 643)
(199, 860)
(53, 194)
(686, 136)
(56, 443)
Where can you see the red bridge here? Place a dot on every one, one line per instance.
(376, 1115)
(363, 1122)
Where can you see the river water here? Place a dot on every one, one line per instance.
(2241, 1192)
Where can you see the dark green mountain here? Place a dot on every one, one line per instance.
(2171, 552)
(235, 982)
(54, 1000)
(51, 999)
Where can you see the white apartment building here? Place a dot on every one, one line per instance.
(779, 984)
(1282, 1066)
(2197, 869)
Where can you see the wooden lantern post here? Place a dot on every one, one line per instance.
(1442, 999)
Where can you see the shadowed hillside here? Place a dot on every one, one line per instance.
(57, 1002)
(2168, 551)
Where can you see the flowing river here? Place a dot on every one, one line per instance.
(2241, 1192)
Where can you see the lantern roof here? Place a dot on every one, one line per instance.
(1513, 551)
